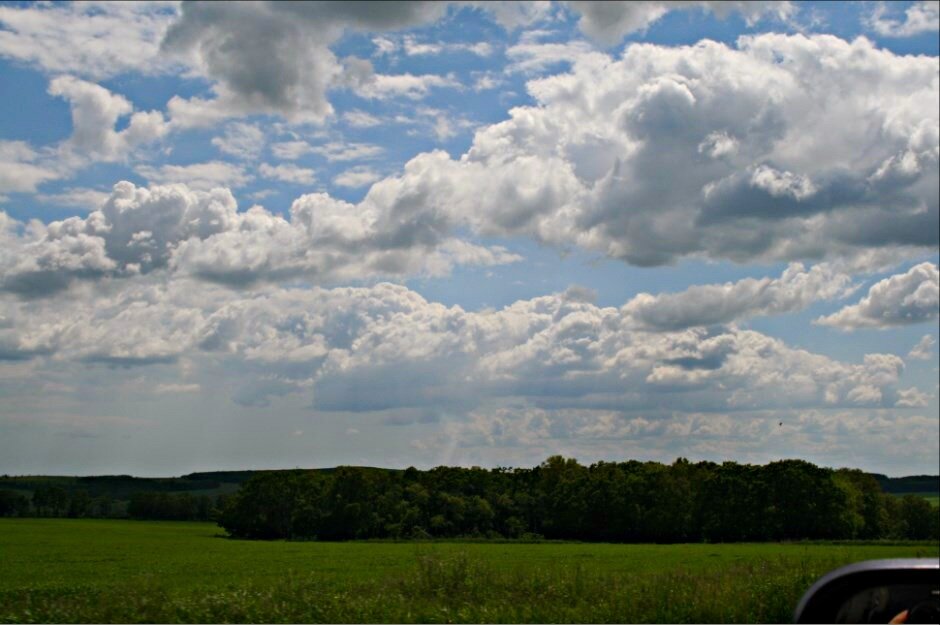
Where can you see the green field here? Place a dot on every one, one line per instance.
(933, 498)
(63, 570)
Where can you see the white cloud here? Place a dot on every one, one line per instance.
(920, 17)
(200, 233)
(22, 169)
(485, 81)
(92, 39)
(173, 389)
(200, 176)
(555, 351)
(902, 299)
(524, 434)
(794, 290)
(911, 398)
(356, 177)
(241, 140)
(341, 151)
(76, 197)
(384, 46)
(480, 48)
(442, 124)
(414, 87)
(924, 348)
(534, 57)
(275, 58)
(135, 231)
(95, 114)
(412, 47)
(360, 119)
(610, 159)
(290, 150)
(512, 15)
(288, 173)
(262, 194)
(609, 21)
(704, 151)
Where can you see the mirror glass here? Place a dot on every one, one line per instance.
(888, 603)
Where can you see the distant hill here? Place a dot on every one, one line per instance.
(119, 487)
(911, 484)
(122, 487)
(796, 499)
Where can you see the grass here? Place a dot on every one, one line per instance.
(60, 570)
(933, 498)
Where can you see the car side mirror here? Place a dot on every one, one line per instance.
(875, 591)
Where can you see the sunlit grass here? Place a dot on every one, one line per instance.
(63, 570)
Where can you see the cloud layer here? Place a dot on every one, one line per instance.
(773, 150)
(270, 57)
(902, 299)
(450, 137)
(202, 234)
(556, 351)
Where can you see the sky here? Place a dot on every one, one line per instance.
(276, 235)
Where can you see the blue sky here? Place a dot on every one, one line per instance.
(270, 235)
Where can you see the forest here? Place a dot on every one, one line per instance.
(562, 499)
(628, 501)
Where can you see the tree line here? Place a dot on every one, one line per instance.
(56, 501)
(562, 499)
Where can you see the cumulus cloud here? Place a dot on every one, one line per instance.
(523, 434)
(135, 231)
(201, 176)
(555, 351)
(22, 169)
(771, 151)
(920, 17)
(92, 39)
(911, 398)
(902, 299)
(201, 233)
(342, 151)
(702, 151)
(76, 197)
(356, 177)
(414, 87)
(609, 21)
(411, 46)
(176, 388)
(290, 150)
(275, 58)
(288, 173)
(360, 119)
(712, 304)
(244, 141)
(924, 348)
(512, 15)
(95, 114)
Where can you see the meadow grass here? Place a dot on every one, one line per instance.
(61, 570)
(932, 498)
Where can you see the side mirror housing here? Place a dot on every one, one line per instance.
(875, 591)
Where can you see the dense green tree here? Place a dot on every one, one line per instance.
(50, 500)
(560, 498)
(13, 503)
(79, 504)
(918, 518)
